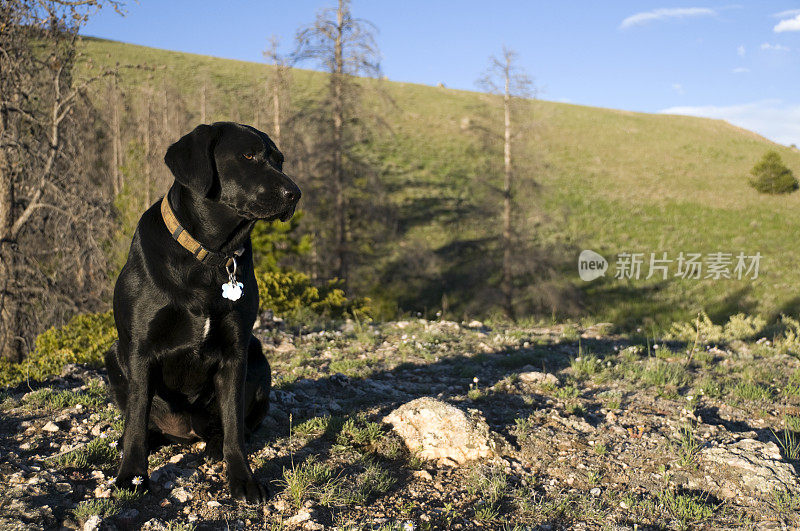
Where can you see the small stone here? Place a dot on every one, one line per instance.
(63, 487)
(92, 523)
(213, 504)
(422, 474)
(303, 516)
(51, 427)
(102, 492)
(175, 459)
(595, 492)
(181, 495)
(538, 377)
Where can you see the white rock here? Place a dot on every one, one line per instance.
(181, 495)
(303, 516)
(92, 524)
(51, 427)
(749, 468)
(537, 377)
(436, 430)
(213, 504)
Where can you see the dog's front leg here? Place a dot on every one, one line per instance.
(133, 469)
(229, 384)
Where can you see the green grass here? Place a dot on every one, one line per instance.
(789, 442)
(104, 507)
(107, 507)
(687, 447)
(310, 479)
(97, 453)
(373, 482)
(359, 432)
(608, 180)
(660, 373)
(490, 485)
(687, 508)
(586, 366)
(94, 396)
(752, 391)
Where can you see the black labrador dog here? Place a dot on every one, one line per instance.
(186, 365)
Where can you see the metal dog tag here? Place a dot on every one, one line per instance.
(232, 290)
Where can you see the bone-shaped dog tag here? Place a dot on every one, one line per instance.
(232, 291)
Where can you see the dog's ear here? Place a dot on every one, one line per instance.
(191, 159)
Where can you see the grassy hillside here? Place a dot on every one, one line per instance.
(608, 180)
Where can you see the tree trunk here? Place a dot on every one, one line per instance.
(116, 141)
(203, 103)
(338, 147)
(7, 313)
(147, 169)
(507, 273)
(276, 110)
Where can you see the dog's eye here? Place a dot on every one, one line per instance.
(248, 156)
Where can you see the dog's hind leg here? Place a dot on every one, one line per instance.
(117, 380)
(257, 386)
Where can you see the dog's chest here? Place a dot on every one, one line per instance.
(189, 372)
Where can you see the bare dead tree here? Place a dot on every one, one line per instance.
(504, 77)
(344, 47)
(278, 86)
(51, 215)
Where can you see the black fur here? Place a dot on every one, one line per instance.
(170, 374)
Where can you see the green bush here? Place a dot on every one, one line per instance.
(287, 293)
(771, 176)
(84, 339)
(275, 241)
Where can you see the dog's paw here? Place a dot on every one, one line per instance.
(138, 482)
(248, 490)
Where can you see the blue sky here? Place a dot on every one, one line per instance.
(739, 62)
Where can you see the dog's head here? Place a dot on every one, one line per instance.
(236, 165)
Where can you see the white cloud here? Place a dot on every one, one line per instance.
(787, 13)
(774, 119)
(677, 87)
(740, 51)
(665, 13)
(740, 70)
(774, 47)
(789, 24)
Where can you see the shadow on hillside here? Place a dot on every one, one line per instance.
(630, 306)
(462, 277)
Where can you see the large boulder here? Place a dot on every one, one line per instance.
(439, 431)
(749, 469)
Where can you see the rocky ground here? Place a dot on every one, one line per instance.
(505, 428)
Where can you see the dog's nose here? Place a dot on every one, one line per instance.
(291, 194)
